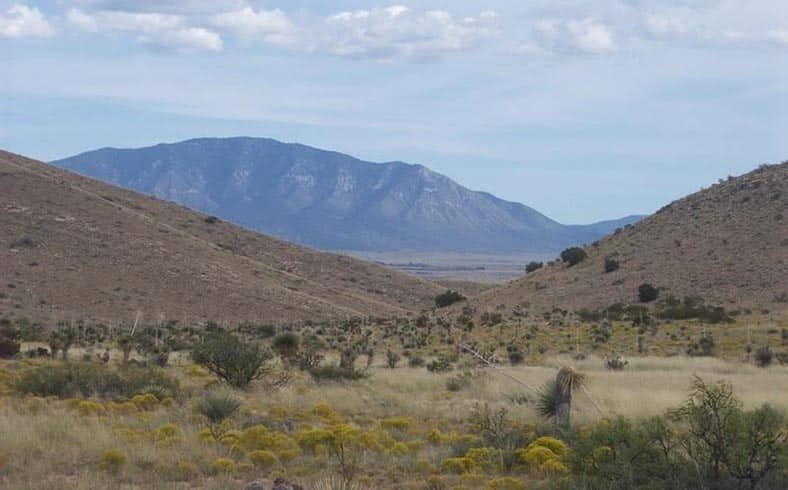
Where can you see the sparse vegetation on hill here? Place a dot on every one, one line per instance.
(117, 254)
(722, 243)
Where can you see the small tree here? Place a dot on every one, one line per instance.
(392, 358)
(611, 265)
(647, 293)
(234, 361)
(532, 266)
(573, 256)
(764, 356)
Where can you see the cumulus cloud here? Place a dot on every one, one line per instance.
(401, 32)
(556, 36)
(163, 31)
(272, 26)
(23, 21)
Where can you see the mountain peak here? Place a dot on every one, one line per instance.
(330, 200)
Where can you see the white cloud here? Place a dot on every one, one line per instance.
(186, 39)
(272, 26)
(163, 31)
(23, 21)
(399, 32)
(586, 36)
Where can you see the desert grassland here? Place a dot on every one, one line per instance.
(50, 443)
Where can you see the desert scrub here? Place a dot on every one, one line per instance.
(222, 465)
(113, 460)
(506, 483)
(67, 380)
(168, 434)
(91, 408)
(263, 459)
(457, 466)
(147, 401)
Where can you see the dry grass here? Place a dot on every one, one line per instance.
(46, 444)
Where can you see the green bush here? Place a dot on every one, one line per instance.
(573, 256)
(647, 293)
(611, 265)
(448, 298)
(334, 372)
(764, 356)
(415, 361)
(67, 380)
(532, 266)
(236, 362)
(9, 348)
(440, 364)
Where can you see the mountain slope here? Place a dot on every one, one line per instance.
(72, 248)
(727, 244)
(329, 200)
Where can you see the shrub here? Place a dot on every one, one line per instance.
(440, 364)
(8, 348)
(573, 256)
(457, 466)
(457, 383)
(392, 358)
(611, 265)
(333, 372)
(234, 361)
(647, 293)
(532, 266)
(286, 345)
(506, 483)
(67, 380)
(113, 460)
(764, 356)
(223, 465)
(448, 298)
(616, 363)
(415, 361)
(265, 459)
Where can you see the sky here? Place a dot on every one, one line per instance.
(584, 110)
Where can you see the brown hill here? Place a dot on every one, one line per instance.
(74, 248)
(727, 244)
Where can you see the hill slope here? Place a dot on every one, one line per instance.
(329, 200)
(727, 244)
(72, 248)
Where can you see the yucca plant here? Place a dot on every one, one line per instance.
(555, 398)
(217, 406)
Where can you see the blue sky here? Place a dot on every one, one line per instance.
(585, 110)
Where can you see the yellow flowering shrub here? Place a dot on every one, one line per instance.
(555, 445)
(397, 423)
(485, 458)
(147, 401)
(506, 483)
(167, 433)
(113, 460)
(310, 439)
(262, 458)
(123, 408)
(457, 466)
(91, 408)
(223, 465)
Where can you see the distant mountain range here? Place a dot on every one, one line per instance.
(332, 201)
